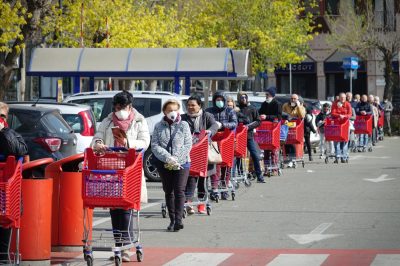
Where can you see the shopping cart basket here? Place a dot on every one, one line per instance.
(268, 138)
(295, 137)
(240, 171)
(337, 129)
(112, 180)
(10, 201)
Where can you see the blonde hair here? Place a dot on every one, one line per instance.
(230, 99)
(4, 106)
(171, 101)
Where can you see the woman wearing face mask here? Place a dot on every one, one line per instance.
(198, 120)
(136, 136)
(171, 143)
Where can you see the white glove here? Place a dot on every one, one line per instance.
(172, 160)
(219, 124)
(1, 126)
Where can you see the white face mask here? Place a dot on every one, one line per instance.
(268, 100)
(122, 114)
(339, 104)
(293, 104)
(172, 115)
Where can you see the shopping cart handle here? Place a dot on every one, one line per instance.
(103, 171)
(117, 149)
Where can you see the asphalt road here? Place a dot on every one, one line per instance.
(330, 200)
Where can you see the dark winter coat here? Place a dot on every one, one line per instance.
(364, 106)
(271, 110)
(250, 118)
(12, 143)
(207, 122)
(226, 116)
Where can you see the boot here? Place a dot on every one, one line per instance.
(310, 158)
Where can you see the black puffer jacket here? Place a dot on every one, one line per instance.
(12, 143)
(226, 116)
(251, 119)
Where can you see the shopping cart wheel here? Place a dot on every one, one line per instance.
(279, 172)
(247, 183)
(117, 260)
(370, 149)
(237, 185)
(208, 210)
(233, 194)
(303, 163)
(184, 213)
(139, 255)
(326, 159)
(164, 210)
(89, 260)
(282, 165)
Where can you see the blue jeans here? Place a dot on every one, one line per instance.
(255, 155)
(363, 140)
(341, 150)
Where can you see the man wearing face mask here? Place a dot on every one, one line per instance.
(294, 108)
(341, 109)
(225, 118)
(363, 108)
(124, 127)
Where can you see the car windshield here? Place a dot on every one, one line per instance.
(56, 124)
(74, 121)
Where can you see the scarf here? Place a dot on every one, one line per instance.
(4, 122)
(122, 124)
(196, 120)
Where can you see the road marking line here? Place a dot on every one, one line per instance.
(379, 179)
(199, 259)
(299, 260)
(106, 219)
(387, 260)
(314, 236)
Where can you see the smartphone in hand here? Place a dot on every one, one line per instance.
(118, 133)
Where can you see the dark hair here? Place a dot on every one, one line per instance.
(197, 99)
(123, 98)
(326, 105)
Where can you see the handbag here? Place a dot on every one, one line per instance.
(214, 155)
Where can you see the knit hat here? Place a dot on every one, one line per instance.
(271, 91)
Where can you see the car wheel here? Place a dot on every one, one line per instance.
(149, 170)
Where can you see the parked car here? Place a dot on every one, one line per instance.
(79, 117)
(44, 130)
(148, 103)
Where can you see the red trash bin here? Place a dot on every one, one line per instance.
(35, 244)
(67, 210)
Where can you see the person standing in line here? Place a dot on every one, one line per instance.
(251, 121)
(293, 109)
(308, 128)
(171, 143)
(341, 110)
(363, 108)
(388, 109)
(198, 120)
(375, 112)
(349, 98)
(326, 147)
(225, 118)
(271, 110)
(12, 144)
(136, 136)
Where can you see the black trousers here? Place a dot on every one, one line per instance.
(4, 242)
(120, 223)
(191, 186)
(308, 143)
(174, 185)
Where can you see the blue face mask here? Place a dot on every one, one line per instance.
(219, 104)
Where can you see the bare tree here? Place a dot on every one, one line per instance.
(363, 29)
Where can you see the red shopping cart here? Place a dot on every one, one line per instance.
(363, 128)
(226, 145)
(112, 180)
(336, 130)
(10, 201)
(240, 172)
(199, 156)
(268, 138)
(295, 137)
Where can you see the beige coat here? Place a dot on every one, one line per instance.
(298, 111)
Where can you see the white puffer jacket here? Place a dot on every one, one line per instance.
(138, 132)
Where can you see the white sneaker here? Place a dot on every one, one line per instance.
(190, 210)
(290, 165)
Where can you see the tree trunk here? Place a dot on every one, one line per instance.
(5, 80)
(388, 92)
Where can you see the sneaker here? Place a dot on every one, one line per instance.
(178, 226)
(290, 165)
(342, 160)
(260, 180)
(224, 195)
(336, 160)
(190, 210)
(310, 159)
(125, 256)
(321, 156)
(201, 208)
(170, 227)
